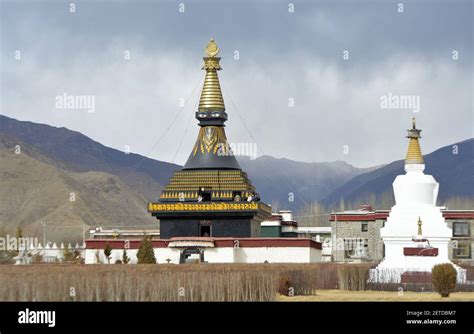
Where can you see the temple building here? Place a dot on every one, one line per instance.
(210, 211)
(210, 196)
(415, 235)
(359, 228)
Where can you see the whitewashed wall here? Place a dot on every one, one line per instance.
(221, 255)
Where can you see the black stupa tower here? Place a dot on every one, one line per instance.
(211, 196)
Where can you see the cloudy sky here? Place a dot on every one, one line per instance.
(141, 59)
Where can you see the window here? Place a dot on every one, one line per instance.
(463, 251)
(349, 246)
(205, 231)
(365, 227)
(355, 248)
(206, 196)
(205, 228)
(461, 229)
(237, 196)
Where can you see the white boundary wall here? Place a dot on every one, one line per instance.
(220, 255)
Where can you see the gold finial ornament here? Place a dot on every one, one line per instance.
(419, 226)
(414, 155)
(211, 95)
(212, 49)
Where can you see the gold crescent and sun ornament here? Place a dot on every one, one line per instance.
(211, 95)
(212, 49)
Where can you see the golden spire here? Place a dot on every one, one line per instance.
(211, 96)
(419, 226)
(414, 155)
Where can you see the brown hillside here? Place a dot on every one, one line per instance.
(33, 189)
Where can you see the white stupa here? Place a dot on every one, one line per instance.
(415, 235)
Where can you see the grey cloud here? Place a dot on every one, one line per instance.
(282, 55)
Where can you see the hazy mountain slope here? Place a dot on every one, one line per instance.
(275, 179)
(34, 191)
(76, 152)
(454, 172)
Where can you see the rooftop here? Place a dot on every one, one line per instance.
(361, 215)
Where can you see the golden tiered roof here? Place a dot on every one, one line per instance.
(414, 155)
(212, 173)
(211, 96)
(186, 185)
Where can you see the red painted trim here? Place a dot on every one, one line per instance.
(456, 215)
(383, 215)
(191, 239)
(416, 277)
(267, 242)
(289, 223)
(274, 218)
(120, 243)
(218, 242)
(361, 217)
(417, 251)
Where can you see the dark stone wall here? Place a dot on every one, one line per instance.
(271, 231)
(221, 227)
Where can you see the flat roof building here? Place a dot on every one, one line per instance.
(353, 228)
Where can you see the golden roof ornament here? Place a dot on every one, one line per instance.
(211, 95)
(414, 155)
(212, 49)
(420, 233)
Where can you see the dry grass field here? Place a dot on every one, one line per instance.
(378, 296)
(163, 282)
(200, 282)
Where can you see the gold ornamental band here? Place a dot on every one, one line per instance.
(202, 206)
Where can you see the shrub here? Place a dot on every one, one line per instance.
(444, 277)
(284, 286)
(145, 253)
(6, 257)
(68, 254)
(77, 257)
(125, 258)
(107, 251)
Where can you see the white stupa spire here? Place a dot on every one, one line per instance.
(415, 202)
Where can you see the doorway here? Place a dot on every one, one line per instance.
(204, 230)
(191, 255)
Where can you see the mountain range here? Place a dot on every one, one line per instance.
(111, 187)
(37, 190)
(452, 166)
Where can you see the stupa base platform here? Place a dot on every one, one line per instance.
(384, 274)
